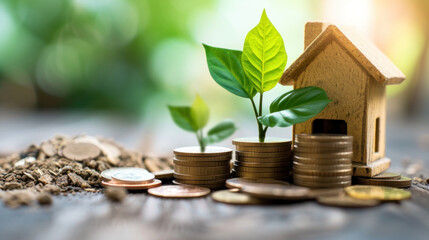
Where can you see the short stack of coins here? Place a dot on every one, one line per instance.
(322, 160)
(210, 168)
(271, 159)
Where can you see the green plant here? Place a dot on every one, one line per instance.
(257, 69)
(195, 117)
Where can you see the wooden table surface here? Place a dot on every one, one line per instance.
(90, 216)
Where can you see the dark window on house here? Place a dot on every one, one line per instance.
(377, 135)
(330, 126)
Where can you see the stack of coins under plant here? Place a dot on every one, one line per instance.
(322, 160)
(210, 168)
(267, 160)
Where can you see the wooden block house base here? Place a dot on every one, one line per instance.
(376, 167)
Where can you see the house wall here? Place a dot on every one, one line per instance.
(376, 105)
(334, 70)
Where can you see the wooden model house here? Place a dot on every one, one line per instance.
(354, 74)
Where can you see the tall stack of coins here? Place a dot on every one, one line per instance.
(205, 169)
(322, 160)
(268, 160)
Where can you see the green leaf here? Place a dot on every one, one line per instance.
(295, 106)
(264, 55)
(226, 69)
(182, 117)
(220, 132)
(199, 112)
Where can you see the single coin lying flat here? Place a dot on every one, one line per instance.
(132, 177)
(402, 182)
(277, 191)
(343, 200)
(80, 151)
(233, 196)
(139, 186)
(179, 191)
(376, 192)
(240, 182)
(107, 174)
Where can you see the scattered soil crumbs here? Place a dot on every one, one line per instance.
(65, 165)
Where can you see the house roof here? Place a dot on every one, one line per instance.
(364, 52)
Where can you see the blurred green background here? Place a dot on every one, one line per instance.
(132, 57)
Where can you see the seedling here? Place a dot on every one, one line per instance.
(257, 69)
(195, 117)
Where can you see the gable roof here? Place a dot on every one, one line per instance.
(364, 52)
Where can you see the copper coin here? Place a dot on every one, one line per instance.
(254, 142)
(403, 182)
(282, 149)
(201, 163)
(240, 182)
(267, 164)
(323, 137)
(325, 155)
(261, 175)
(233, 196)
(272, 156)
(154, 183)
(205, 177)
(326, 161)
(196, 151)
(316, 144)
(341, 172)
(224, 158)
(387, 175)
(179, 191)
(202, 171)
(301, 149)
(276, 191)
(207, 182)
(261, 169)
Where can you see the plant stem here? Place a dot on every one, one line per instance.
(258, 114)
(200, 140)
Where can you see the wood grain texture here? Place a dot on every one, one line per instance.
(371, 169)
(312, 30)
(345, 83)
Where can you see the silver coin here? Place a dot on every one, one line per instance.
(107, 174)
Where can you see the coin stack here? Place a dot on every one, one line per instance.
(130, 178)
(209, 169)
(268, 160)
(322, 160)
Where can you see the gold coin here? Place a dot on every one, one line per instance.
(343, 200)
(282, 149)
(232, 196)
(204, 158)
(324, 155)
(322, 178)
(261, 175)
(376, 192)
(201, 163)
(240, 182)
(139, 186)
(164, 174)
(403, 182)
(301, 149)
(322, 167)
(80, 151)
(207, 185)
(323, 137)
(269, 142)
(387, 175)
(267, 164)
(204, 177)
(341, 172)
(202, 171)
(322, 184)
(261, 169)
(207, 182)
(276, 191)
(210, 151)
(179, 191)
(262, 155)
(326, 161)
(315, 144)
